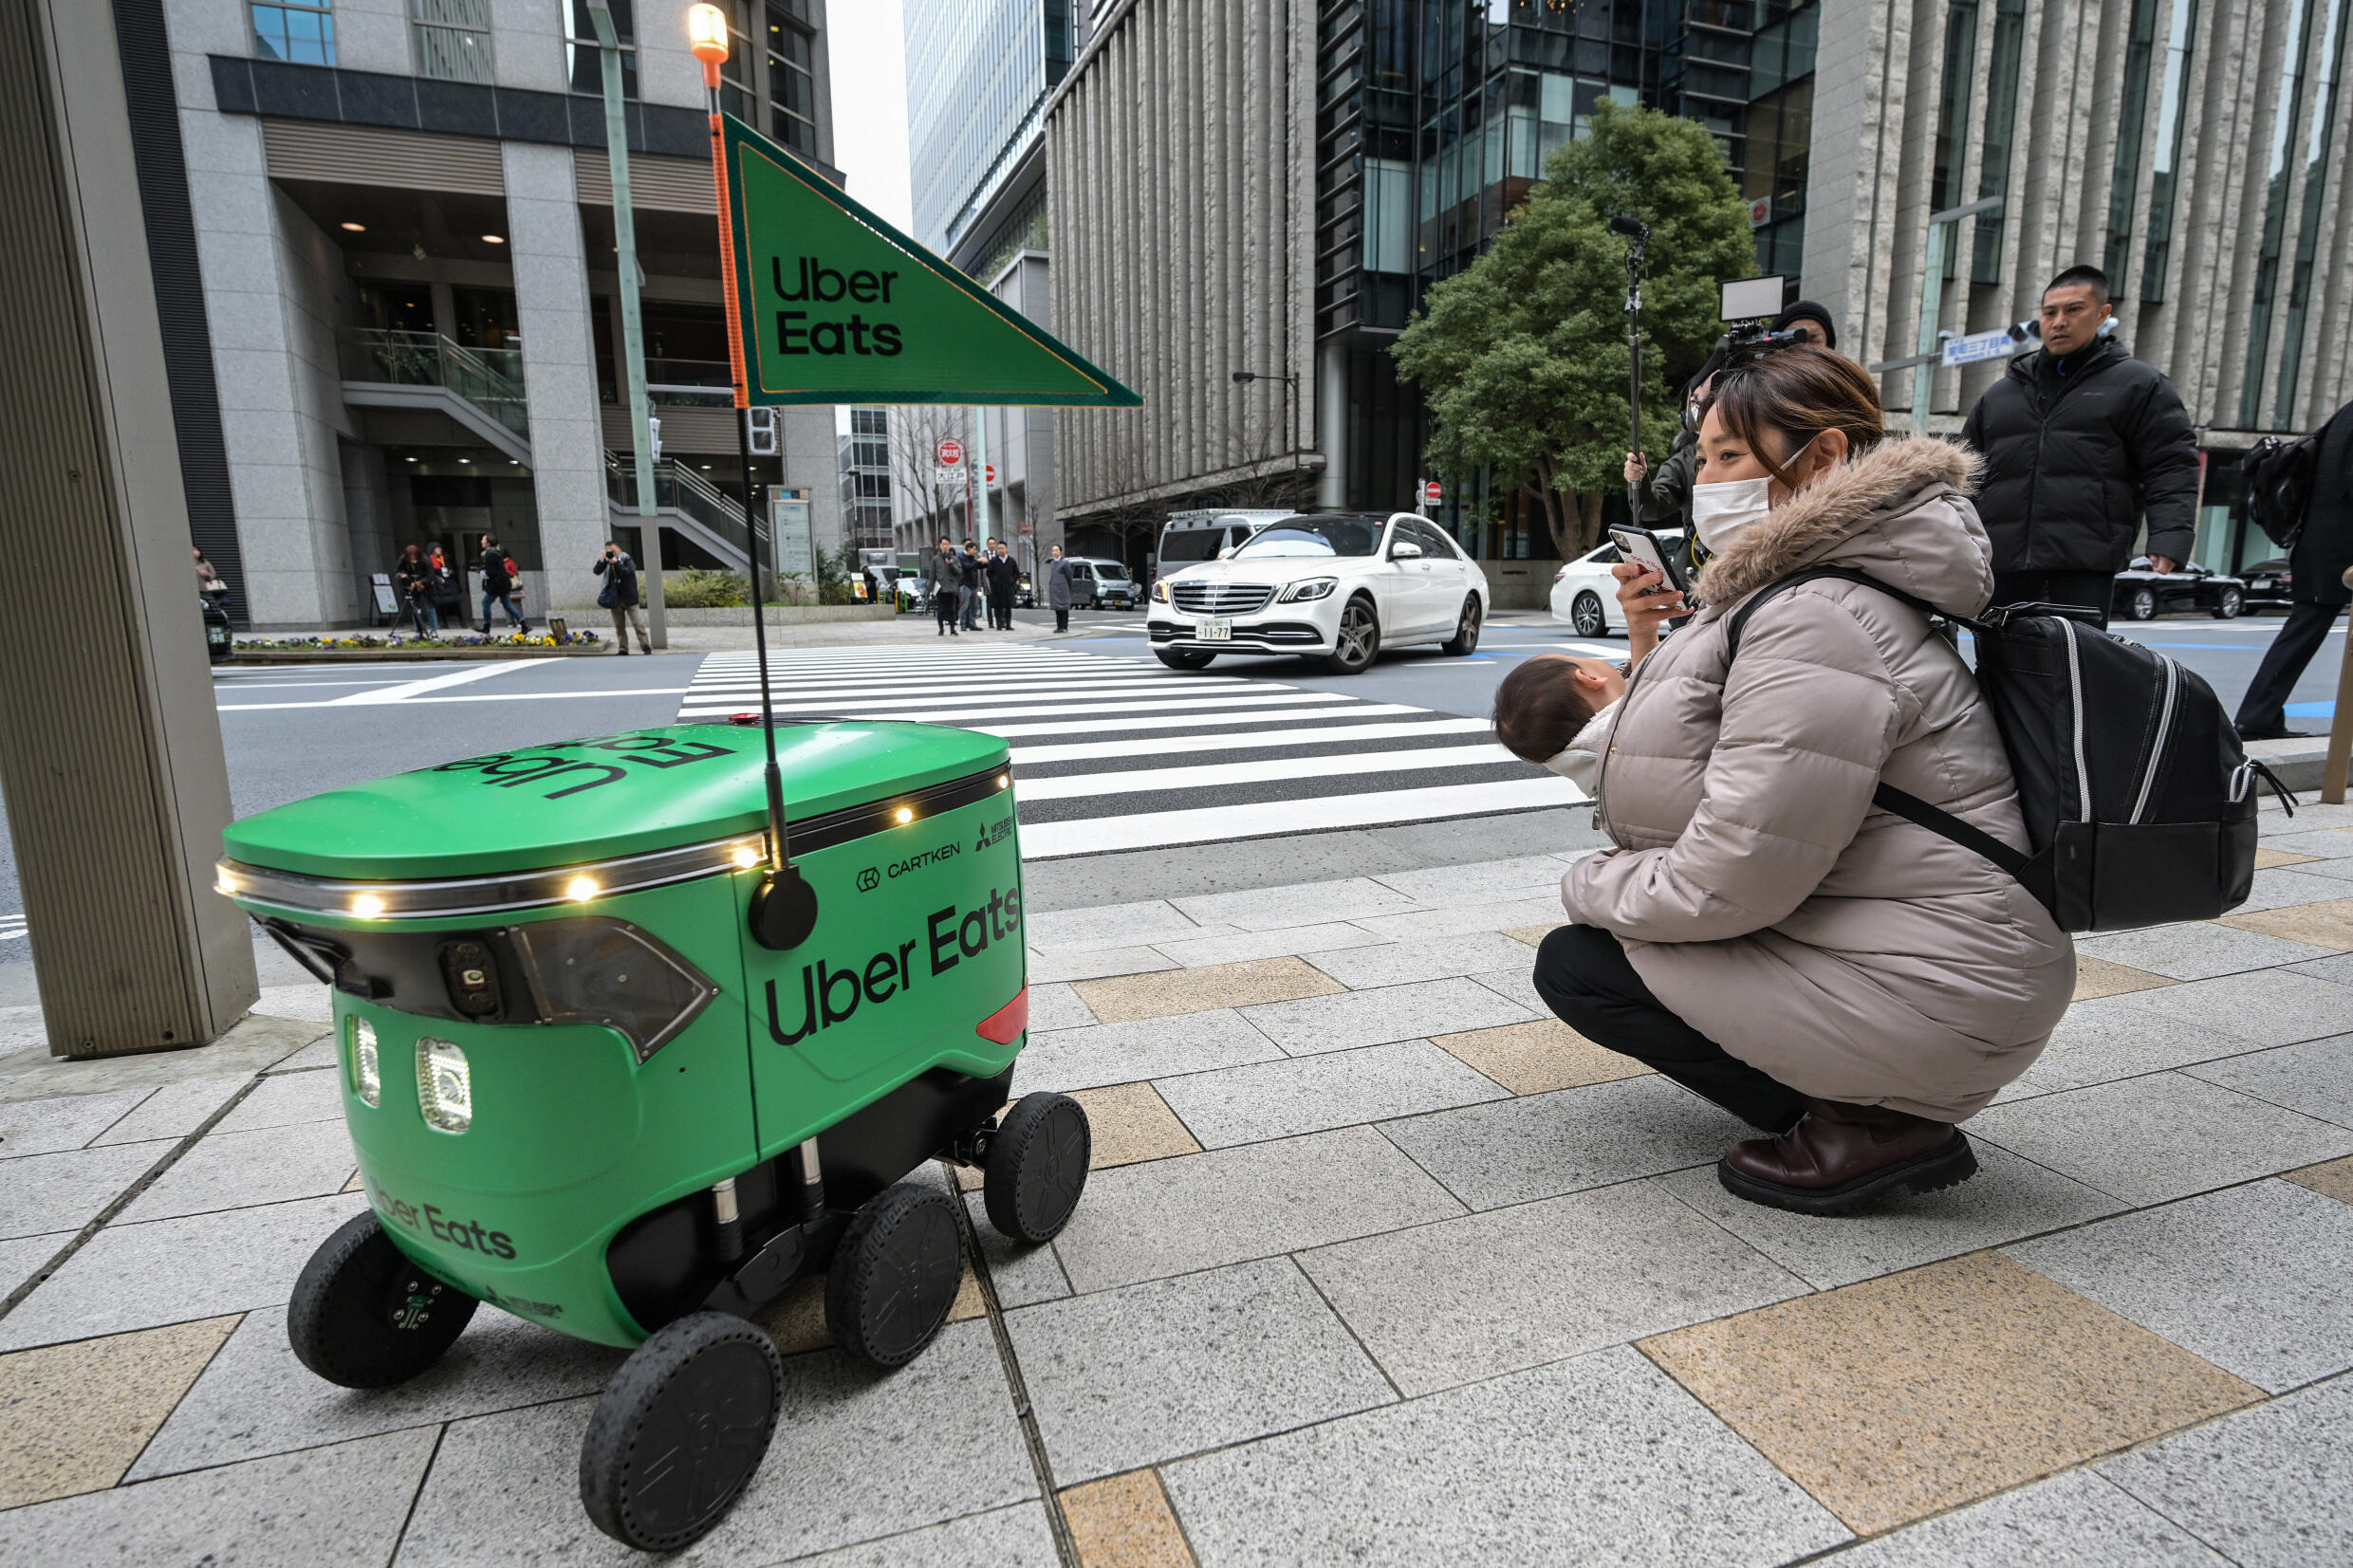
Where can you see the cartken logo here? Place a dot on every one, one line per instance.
(869, 879)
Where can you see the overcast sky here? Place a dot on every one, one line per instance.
(870, 103)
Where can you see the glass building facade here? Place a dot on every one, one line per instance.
(979, 72)
(1434, 119)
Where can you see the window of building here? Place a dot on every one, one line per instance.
(452, 39)
(870, 421)
(791, 79)
(2308, 236)
(584, 56)
(2276, 176)
(1961, 70)
(301, 31)
(2168, 123)
(2124, 178)
(2010, 35)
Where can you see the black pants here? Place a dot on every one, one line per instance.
(1001, 612)
(1061, 618)
(944, 606)
(2264, 710)
(2093, 590)
(1584, 975)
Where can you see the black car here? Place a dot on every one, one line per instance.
(2268, 584)
(2143, 594)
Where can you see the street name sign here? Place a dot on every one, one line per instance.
(834, 306)
(1978, 346)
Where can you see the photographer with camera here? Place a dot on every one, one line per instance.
(2081, 439)
(1664, 502)
(620, 596)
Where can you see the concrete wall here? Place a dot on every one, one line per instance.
(559, 373)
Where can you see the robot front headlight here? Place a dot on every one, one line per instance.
(367, 1074)
(444, 1084)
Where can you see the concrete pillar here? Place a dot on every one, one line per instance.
(559, 374)
(110, 749)
(1331, 421)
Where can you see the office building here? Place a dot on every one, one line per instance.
(867, 503)
(387, 240)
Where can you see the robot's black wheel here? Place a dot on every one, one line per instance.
(365, 1316)
(1037, 1167)
(680, 1432)
(895, 1275)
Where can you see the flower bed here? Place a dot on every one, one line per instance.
(365, 641)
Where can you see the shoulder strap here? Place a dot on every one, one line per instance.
(1887, 797)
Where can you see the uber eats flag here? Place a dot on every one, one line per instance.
(837, 307)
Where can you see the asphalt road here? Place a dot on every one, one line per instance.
(294, 730)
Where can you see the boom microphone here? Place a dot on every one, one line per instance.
(1633, 229)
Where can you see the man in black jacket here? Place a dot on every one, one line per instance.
(1003, 581)
(2316, 569)
(2081, 439)
(947, 571)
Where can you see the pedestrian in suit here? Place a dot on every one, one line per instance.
(2316, 569)
(1004, 579)
(946, 569)
(1058, 589)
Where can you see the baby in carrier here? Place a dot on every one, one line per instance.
(1555, 710)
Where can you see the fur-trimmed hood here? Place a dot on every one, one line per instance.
(1900, 511)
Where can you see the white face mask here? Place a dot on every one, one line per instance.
(1719, 512)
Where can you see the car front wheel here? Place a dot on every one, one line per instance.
(1358, 641)
(1586, 616)
(2142, 605)
(2230, 604)
(1465, 637)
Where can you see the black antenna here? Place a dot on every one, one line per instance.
(784, 910)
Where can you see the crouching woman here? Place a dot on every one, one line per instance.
(1850, 984)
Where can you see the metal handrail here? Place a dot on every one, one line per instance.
(489, 378)
(681, 488)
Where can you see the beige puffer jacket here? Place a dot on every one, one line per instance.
(1760, 894)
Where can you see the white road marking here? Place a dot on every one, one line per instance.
(1208, 824)
(1144, 781)
(1165, 746)
(419, 688)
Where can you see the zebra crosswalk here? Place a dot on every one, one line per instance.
(1118, 754)
(12, 928)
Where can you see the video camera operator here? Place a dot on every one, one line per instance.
(1664, 501)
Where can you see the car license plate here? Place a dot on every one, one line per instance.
(1216, 631)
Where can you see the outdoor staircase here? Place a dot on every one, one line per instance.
(687, 501)
(480, 389)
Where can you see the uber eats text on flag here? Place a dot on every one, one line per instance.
(837, 307)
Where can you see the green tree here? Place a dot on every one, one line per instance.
(1522, 357)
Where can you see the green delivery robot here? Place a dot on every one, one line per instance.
(624, 1055)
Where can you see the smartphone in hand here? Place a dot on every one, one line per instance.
(1645, 548)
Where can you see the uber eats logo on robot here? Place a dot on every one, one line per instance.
(832, 993)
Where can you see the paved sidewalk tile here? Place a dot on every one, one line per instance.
(2267, 1487)
(1400, 963)
(171, 1271)
(240, 1170)
(284, 1100)
(310, 1058)
(2196, 949)
(1461, 1299)
(1273, 1099)
(2328, 925)
(1540, 1146)
(1530, 1059)
(2322, 843)
(1599, 1460)
(2285, 887)
(67, 1122)
(1022, 1275)
(21, 1257)
(173, 1111)
(2147, 1139)
(2268, 858)
(1131, 1123)
(1456, 919)
(1534, 935)
(73, 1416)
(1127, 1053)
(2338, 968)
(1053, 1006)
(1268, 909)
(1481, 881)
(2251, 1278)
(343, 1504)
(255, 1398)
(44, 1193)
(1174, 991)
(2332, 1179)
(1053, 968)
(1377, 1017)
(2315, 1078)
(2075, 1518)
(2338, 870)
(1124, 1521)
(1105, 926)
(2097, 977)
(1017, 1537)
(1902, 1398)
(2008, 1198)
(2275, 1008)
(1125, 1379)
(1142, 1221)
(1280, 942)
(2111, 1038)
(856, 1457)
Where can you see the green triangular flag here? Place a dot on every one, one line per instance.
(838, 306)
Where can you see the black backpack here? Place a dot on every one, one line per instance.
(2279, 483)
(2139, 801)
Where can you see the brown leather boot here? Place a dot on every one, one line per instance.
(1841, 1156)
